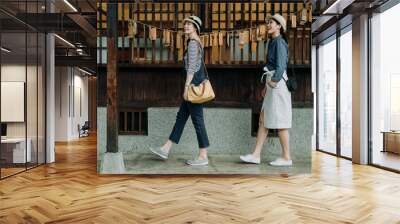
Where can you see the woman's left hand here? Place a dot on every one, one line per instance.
(272, 84)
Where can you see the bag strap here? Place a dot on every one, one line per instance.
(292, 71)
(205, 69)
(202, 90)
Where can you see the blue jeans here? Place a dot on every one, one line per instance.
(196, 112)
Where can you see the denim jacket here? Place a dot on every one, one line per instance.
(277, 57)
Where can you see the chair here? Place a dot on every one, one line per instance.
(84, 130)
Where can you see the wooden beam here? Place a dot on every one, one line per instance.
(112, 70)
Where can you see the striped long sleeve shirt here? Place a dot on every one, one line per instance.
(193, 57)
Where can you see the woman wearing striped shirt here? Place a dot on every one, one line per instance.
(195, 74)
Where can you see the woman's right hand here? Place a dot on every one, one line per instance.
(264, 91)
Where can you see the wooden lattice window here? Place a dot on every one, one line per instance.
(133, 122)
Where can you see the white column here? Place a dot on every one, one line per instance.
(50, 93)
(50, 80)
(360, 90)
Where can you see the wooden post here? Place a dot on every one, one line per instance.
(112, 69)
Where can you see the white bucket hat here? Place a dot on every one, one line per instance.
(278, 18)
(196, 21)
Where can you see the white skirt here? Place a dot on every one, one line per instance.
(277, 106)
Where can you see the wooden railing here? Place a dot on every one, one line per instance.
(218, 18)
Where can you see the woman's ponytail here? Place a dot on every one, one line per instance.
(283, 34)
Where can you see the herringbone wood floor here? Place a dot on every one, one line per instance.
(70, 191)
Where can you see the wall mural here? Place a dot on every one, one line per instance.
(158, 61)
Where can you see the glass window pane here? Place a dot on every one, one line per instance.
(346, 93)
(385, 89)
(23, 89)
(14, 153)
(31, 100)
(327, 97)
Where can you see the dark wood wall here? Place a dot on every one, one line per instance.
(239, 86)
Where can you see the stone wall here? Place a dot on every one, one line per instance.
(229, 132)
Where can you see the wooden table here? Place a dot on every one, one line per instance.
(391, 141)
(13, 150)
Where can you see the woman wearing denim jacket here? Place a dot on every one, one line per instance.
(276, 112)
(195, 74)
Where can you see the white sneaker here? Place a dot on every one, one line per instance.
(249, 158)
(281, 162)
(159, 152)
(197, 162)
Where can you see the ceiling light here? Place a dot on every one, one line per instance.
(65, 41)
(5, 50)
(70, 5)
